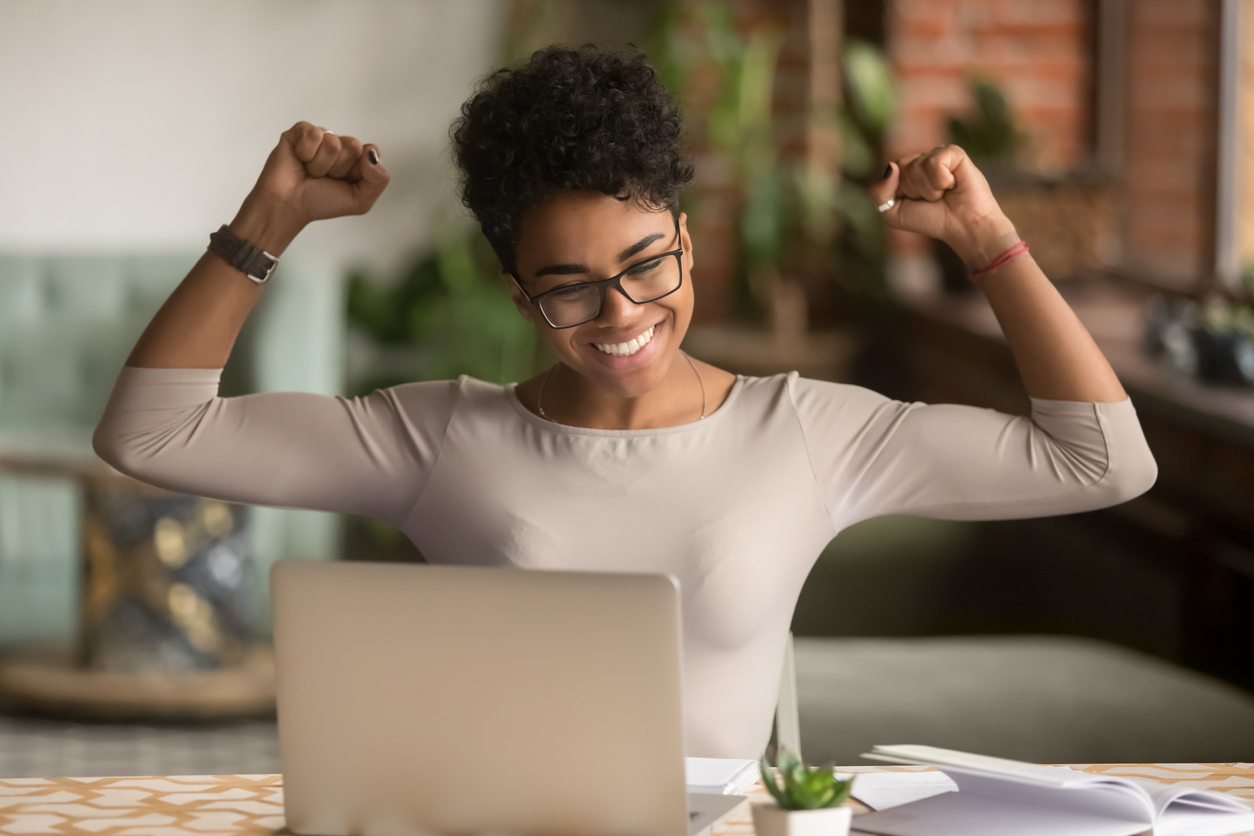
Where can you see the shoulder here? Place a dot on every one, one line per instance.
(807, 395)
(442, 397)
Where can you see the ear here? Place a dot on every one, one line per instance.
(686, 239)
(516, 294)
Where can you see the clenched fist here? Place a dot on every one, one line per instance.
(941, 194)
(312, 174)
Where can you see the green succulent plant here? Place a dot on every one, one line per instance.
(800, 787)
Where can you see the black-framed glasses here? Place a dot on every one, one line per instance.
(645, 281)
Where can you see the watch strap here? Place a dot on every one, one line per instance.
(248, 258)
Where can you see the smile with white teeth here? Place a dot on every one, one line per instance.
(628, 348)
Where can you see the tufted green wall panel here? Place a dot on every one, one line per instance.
(67, 323)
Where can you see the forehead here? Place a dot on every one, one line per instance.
(591, 229)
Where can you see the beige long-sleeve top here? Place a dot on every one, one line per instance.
(737, 506)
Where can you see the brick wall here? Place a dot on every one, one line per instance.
(1037, 49)
(1171, 95)
(714, 199)
(1041, 52)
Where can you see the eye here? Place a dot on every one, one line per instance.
(644, 267)
(567, 291)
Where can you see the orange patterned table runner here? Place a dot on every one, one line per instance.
(231, 805)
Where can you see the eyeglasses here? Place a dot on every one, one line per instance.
(580, 302)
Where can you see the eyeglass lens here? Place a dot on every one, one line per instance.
(581, 302)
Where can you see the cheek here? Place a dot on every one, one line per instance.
(558, 342)
(683, 303)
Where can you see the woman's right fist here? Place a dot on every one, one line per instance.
(311, 175)
(317, 174)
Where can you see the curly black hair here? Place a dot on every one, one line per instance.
(567, 120)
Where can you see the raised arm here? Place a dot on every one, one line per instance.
(1081, 449)
(310, 175)
(165, 423)
(943, 195)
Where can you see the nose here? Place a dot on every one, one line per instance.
(616, 307)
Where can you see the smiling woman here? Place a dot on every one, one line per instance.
(625, 455)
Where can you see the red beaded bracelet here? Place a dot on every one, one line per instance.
(1001, 261)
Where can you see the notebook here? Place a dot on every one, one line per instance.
(998, 797)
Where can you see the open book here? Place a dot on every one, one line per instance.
(1010, 798)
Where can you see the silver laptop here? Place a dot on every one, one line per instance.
(459, 700)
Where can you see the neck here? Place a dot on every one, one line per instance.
(569, 398)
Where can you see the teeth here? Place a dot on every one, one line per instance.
(628, 348)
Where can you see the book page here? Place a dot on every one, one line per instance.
(885, 790)
(960, 814)
(1111, 800)
(1167, 796)
(936, 757)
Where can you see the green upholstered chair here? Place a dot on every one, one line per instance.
(67, 323)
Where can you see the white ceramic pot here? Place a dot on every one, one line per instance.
(770, 820)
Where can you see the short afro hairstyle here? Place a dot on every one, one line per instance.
(567, 120)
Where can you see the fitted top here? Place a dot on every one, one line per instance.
(737, 506)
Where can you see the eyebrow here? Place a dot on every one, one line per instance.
(577, 269)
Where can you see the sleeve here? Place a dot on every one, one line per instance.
(370, 456)
(874, 456)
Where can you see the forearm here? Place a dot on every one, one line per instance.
(1056, 356)
(197, 326)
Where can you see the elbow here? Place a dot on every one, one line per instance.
(108, 447)
(111, 446)
(1136, 475)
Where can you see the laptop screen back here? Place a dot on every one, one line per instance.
(464, 699)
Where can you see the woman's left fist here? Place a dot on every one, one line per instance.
(943, 195)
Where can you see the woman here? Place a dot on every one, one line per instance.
(627, 454)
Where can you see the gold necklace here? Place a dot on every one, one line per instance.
(544, 384)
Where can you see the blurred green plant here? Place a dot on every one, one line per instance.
(1247, 280)
(446, 314)
(785, 205)
(799, 787)
(991, 136)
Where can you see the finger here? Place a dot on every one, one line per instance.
(886, 187)
(304, 139)
(886, 195)
(939, 167)
(916, 183)
(350, 153)
(369, 179)
(326, 155)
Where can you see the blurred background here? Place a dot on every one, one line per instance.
(1118, 135)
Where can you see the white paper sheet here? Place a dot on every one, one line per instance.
(883, 790)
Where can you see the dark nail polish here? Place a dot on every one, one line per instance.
(374, 156)
(887, 172)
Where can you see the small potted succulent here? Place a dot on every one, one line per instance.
(808, 800)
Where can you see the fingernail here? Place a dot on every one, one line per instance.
(374, 156)
(888, 172)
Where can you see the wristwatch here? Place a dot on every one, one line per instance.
(248, 258)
